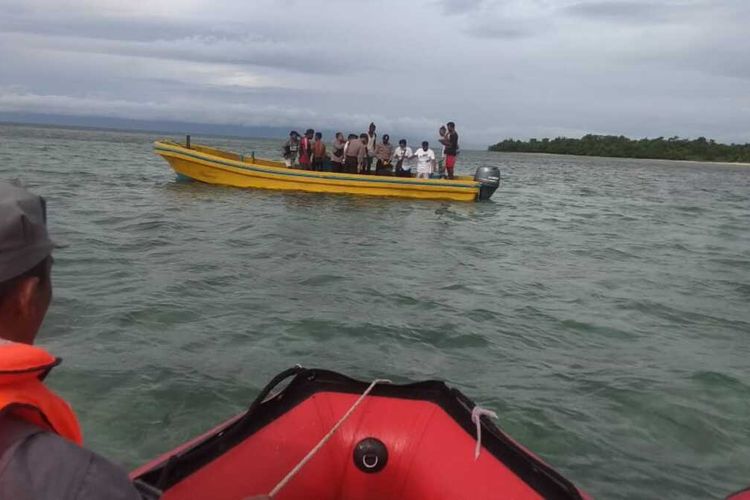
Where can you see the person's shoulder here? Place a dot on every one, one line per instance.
(79, 473)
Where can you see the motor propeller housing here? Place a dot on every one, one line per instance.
(489, 178)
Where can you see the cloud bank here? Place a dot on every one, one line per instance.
(498, 68)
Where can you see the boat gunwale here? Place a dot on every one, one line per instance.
(396, 182)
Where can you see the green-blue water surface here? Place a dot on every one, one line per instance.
(600, 306)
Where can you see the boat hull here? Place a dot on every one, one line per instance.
(214, 166)
(425, 428)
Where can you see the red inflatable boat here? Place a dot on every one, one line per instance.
(326, 436)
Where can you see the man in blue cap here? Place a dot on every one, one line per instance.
(41, 456)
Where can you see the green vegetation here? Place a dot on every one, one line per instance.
(673, 148)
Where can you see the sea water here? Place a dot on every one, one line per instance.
(600, 306)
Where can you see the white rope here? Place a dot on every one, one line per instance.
(476, 414)
(325, 439)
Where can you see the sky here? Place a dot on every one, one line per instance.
(498, 68)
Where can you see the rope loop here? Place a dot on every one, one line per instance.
(476, 415)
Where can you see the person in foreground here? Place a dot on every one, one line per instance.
(41, 456)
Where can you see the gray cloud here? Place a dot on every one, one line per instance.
(502, 30)
(96, 27)
(639, 12)
(460, 6)
(496, 67)
(180, 41)
(242, 51)
(615, 10)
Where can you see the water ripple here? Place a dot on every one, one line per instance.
(599, 305)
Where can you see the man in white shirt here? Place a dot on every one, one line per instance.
(401, 159)
(426, 163)
(372, 140)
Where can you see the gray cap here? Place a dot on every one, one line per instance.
(24, 241)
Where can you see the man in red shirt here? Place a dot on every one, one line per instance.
(305, 150)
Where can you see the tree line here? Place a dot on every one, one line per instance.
(673, 148)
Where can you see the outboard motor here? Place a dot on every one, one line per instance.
(489, 178)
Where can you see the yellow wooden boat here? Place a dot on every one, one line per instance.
(215, 166)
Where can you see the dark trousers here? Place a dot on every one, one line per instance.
(403, 173)
(383, 168)
(368, 165)
(351, 164)
(317, 164)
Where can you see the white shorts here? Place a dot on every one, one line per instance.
(423, 175)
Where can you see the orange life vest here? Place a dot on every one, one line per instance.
(23, 395)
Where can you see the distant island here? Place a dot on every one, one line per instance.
(673, 148)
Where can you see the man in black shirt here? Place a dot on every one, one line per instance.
(450, 141)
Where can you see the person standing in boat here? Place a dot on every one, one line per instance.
(354, 154)
(41, 452)
(346, 149)
(383, 153)
(401, 158)
(337, 152)
(305, 150)
(318, 152)
(372, 140)
(425, 161)
(450, 141)
(290, 149)
(364, 164)
(441, 161)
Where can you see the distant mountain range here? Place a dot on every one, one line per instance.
(162, 126)
(184, 128)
